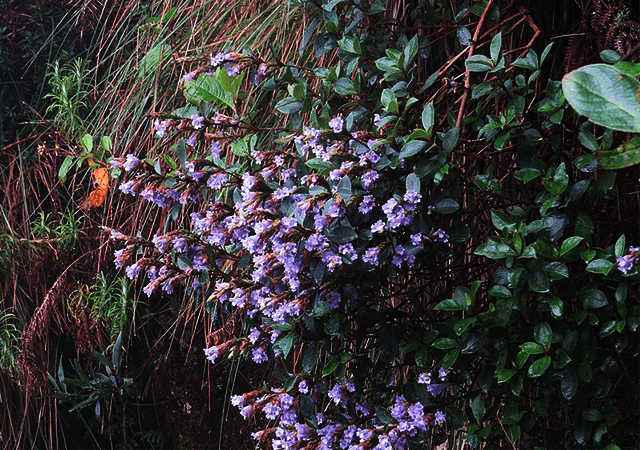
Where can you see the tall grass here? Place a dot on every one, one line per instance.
(111, 88)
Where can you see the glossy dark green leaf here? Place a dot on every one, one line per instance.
(495, 250)
(627, 155)
(477, 408)
(568, 383)
(505, 375)
(543, 334)
(604, 94)
(539, 367)
(289, 105)
(592, 415)
(411, 148)
(532, 348)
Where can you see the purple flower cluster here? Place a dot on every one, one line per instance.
(276, 234)
(626, 263)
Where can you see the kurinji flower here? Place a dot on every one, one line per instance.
(161, 243)
(131, 162)
(436, 389)
(191, 141)
(128, 188)
(189, 76)
(440, 417)
(625, 263)
(254, 335)
(368, 178)
(211, 353)
(371, 256)
(232, 71)
(197, 121)
(336, 124)
(247, 411)
(412, 196)
(216, 150)
(378, 227)
(440, 235)
(424, 378)
(303, 387)
(237, 400)
(271, 410)
(132, 271)
(336, 394)
(161, 127)
(377, 120)
(180, 245)
(332, 300)
(348, 251)
(218, 59)
(259, 355)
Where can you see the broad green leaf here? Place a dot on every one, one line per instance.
(539, 367)
(543, 334)
(478, 63)
(428, 118)
(446, 206)
(66, 165)
(289, 105)
(495, 250)
(600, 266)
(477, 408)
(207, 88)
(411, 148)
(568, 383)
(605, 95)
(628, 154)
(152, 60)
(412, 182)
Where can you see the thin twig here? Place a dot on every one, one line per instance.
(467, 73)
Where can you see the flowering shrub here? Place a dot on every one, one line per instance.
(339, 240)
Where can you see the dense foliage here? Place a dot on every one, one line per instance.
(417, 245)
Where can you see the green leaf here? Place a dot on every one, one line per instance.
(495, 250)
(87, 143)
(289, 105)
(350, 44)
(531, 348)
(285, 343)
(600, 266)
(621, 247)
(477, 408)
(450, 139)
(342, 234)
(310, 357)
(505, 375)
(66, 165)
(627, 155)
(412, 182)
(106, 143)
(344, 86)
(568, 383)
(152, 60)
(569, 244)
(411, 148)
(543, 334)
(539, 367)
(207, 88)
(450, 358)
(446, 206)
(428, 118)
(478, 63)
(604, 94)
(445, 343)
(496, 45)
